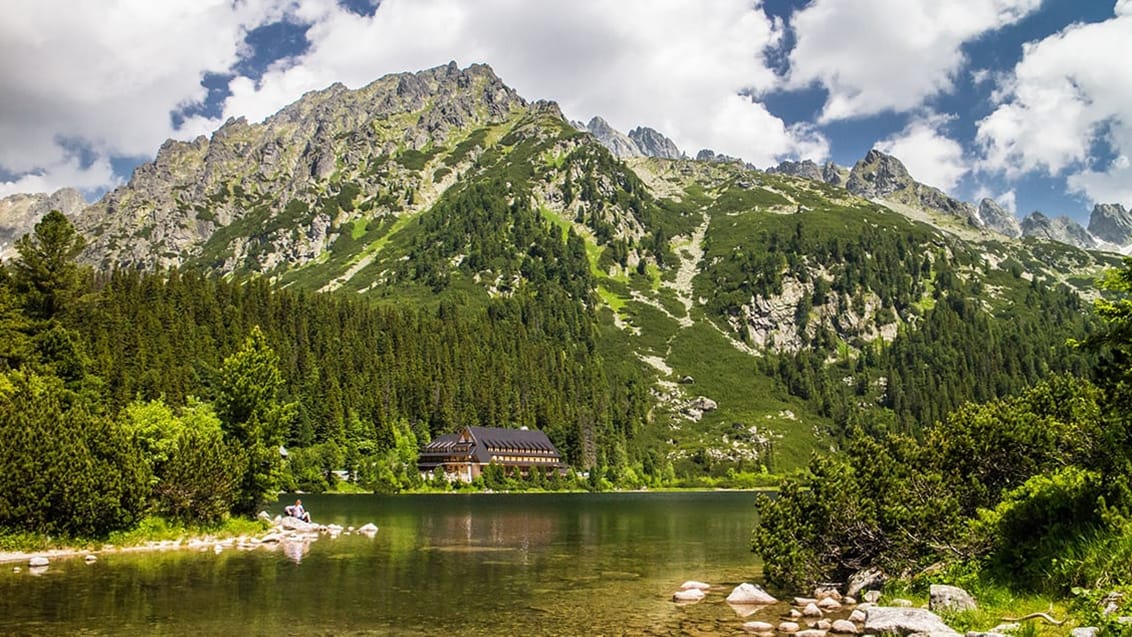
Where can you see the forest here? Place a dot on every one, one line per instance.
(1029, 492)
(174, 391)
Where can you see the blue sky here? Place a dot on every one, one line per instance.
(1025, 101)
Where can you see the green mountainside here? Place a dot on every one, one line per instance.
(705, 315)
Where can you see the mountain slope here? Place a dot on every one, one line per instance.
(758, 316)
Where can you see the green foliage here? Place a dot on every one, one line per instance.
(45, 274)
(900, 503)
(254, 417)
(1104, 608)
(200, 481)
(67, 469)
(311, 469)
(1031, 530)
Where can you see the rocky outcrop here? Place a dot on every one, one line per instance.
(1060, 229)
(640, 142)
(19, 214)
(279, 185)
(806, 169)
(828, 172)
(617, 142)
(1111, 223)
(709, 155)
(653, 144)
(884, 177)
(994, 217)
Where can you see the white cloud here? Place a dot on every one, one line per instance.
(875, 56)
(1069, 92)
(675, 66)
(66, 172)
(105, 76)
(930, 155)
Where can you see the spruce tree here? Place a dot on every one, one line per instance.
(254, 417)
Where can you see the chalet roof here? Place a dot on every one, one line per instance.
(481, 441)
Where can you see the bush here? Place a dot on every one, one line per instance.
(66, 470)
(201, 479)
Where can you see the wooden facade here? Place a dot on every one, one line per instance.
(463, 455)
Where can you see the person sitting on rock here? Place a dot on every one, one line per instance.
(296, 510)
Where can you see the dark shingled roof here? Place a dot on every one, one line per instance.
(485, 440)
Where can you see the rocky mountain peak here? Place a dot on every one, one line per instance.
(379, 134)
(996, 218)
(806, 169)
(640, 142)
(828, 172)
(1111, 223)
(617, 142)
(878, 175)
(1061, 229)
(654, 144)
(19, 213)
(883, 177)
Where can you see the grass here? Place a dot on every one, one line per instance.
(995, 604)
(744, 394)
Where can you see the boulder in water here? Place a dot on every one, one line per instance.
(746, 593)
(690, 595)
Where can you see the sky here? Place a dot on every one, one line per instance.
(1028, 102)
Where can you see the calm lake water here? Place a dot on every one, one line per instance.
(539, 564)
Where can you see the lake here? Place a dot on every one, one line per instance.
(482, 564)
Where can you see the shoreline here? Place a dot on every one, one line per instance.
(275, 532)
(197, 542)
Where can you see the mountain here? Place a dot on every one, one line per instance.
(19, 214)
(726, 318)
(1061, 229)
(829, 172)
(883, 177)
(640, 142)
(994, 217)
(654, 144)
(618, 143)
(259, 182)
(1111, 223)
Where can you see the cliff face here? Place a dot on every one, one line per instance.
(19, 214)
(377, 137)
(996, 218)
(1111, 223)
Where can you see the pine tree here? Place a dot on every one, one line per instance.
(254, 417)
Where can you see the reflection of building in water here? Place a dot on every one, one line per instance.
(513, 530)
(464, 455)
(296, 549)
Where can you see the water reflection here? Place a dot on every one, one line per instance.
(453, 564)
(296, 549)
